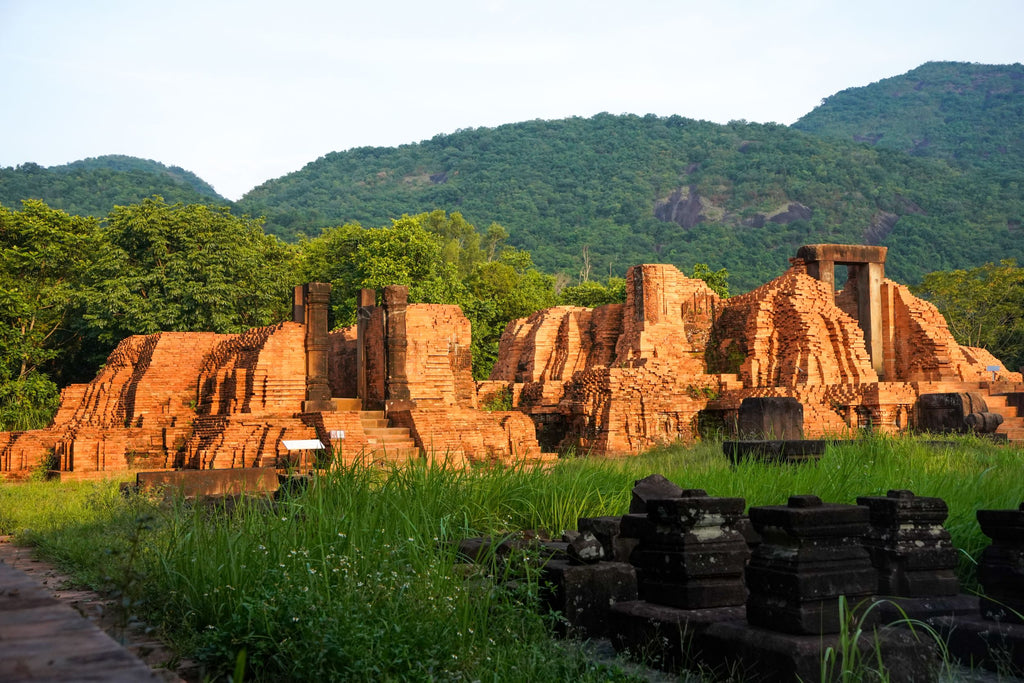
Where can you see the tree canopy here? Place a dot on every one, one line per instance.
(186, 268)
(983, 306)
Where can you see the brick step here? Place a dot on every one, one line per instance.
(1013, 400)
(952, 387)
(1014, 435)
(370, 454)
(401, 454)
(390, 444)
(371, 414)
(348, 404)
(386, 432)
(374, 424)
(1010, 424)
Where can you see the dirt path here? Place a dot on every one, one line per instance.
(98, 610)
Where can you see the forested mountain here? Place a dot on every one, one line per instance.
(930, 163)
(969, 114)
(612, 191)
(92, 187)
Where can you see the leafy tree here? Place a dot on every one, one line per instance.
(592, 293)
(45, 256)
(28, 402)
(717, 280)
(501, 291)
(442, 259)
(186, 268)
(983, 306)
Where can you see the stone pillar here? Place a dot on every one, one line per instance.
(770, 418)
(299, 304)
(1001, 568)
(824, 271)
(908, 545)
(810, 554)
(364, 311)
(869, 311)
(396, 300)
(888, 308)
(316, 298)
(691, 554)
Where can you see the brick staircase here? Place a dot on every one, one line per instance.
(1011, 407)
(384, 442)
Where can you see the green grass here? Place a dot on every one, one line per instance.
(356, 577)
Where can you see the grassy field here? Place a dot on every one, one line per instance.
(356, 576)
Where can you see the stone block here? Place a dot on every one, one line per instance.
(608, 530)
(648, 488)
(585, 548)
(977, 641)
(584, 594)
(734, 651)
(1001, 566)
(810, 555)
(771, 418)
(947, 412)
(690, 554)
(666, 637)
(911, 550)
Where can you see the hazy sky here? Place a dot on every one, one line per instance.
(242, 92)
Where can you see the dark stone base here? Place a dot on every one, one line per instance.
(792, 451)
(584, 594)
(895, 609)
(980, 642)
(695, 594)
(664, 637)
(737, 651)
(190, 483)
(809, 617)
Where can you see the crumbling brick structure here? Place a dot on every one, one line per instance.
(622, 378)
(205, 400)
(615, 379)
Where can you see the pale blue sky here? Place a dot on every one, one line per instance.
(242, 92)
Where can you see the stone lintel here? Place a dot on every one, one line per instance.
(842, 253)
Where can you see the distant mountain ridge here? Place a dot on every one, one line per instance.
(93, 186)
(929, 163)
(969, 114)
(120, 162)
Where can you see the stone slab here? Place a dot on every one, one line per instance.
(778, 451)
(979, 642)
(42, 639)
(757, 655)
(897, 608)
(190, 483)
(584, 594)
(667, 637)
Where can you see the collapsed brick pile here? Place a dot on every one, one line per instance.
(625, 377)
(215, 401)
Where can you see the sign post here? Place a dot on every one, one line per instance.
(303, 446)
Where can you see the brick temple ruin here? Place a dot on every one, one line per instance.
(616, 379)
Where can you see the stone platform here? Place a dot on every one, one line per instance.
(42, 639)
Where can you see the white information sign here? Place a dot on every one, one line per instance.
(304, 445)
